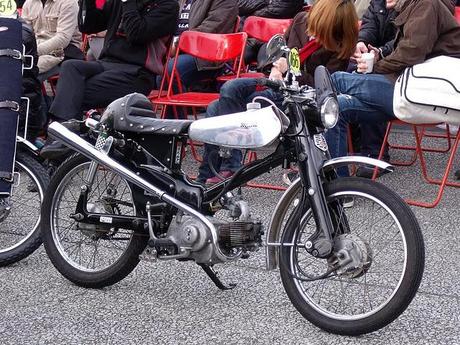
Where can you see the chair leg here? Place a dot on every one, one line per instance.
(444, 181)
(382, 148)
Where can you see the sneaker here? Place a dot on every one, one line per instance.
(223, 175)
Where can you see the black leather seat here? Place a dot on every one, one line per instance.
(133, 113)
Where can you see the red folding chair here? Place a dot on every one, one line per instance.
(457, 13)
(419, 133)
(262, 29)
(206, 46)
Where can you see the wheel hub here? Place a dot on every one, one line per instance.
(95, 231)
(353, 255)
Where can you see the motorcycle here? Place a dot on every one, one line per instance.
(20, 233)
(349, 250)
(27, 180)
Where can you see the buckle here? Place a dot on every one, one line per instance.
(12, 105)
(12, 53)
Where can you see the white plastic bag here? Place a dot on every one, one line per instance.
(429, 92)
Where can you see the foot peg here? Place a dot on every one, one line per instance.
(216, 280)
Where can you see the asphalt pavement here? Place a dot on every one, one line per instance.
(175, 303)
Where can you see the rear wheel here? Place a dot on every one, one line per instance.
(89, 255)
(20, 224)
(376, 266)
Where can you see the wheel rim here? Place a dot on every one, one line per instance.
(348, 292)
(88, 249)
(28, 195)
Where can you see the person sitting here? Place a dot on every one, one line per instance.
(425, 29)
(377, 33)
(211, 16)
(336, 38)
(134, 47)
(56, 28)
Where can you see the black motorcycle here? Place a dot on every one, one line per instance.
(349, 250)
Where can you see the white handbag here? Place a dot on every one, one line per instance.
(429, 92)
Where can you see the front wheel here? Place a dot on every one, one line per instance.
(376, 266)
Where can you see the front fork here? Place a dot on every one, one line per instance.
(311, 159)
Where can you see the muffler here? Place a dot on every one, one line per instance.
(76, 143)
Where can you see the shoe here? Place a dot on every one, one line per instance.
(457, 174)
(55, 151)
(223, 175)
(367, 172)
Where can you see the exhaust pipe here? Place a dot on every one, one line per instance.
(80, 145)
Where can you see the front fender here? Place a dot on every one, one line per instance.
(279, 214)
(356, 160)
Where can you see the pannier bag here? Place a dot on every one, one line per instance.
(10, 96)
(429, 92)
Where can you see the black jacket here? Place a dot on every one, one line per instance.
(31, 87)
(377, 27)
(270, 8)
(132, 26)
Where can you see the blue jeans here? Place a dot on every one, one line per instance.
(363, 99)
(234, 95)
(189, 75)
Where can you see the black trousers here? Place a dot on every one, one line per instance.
(86, 85)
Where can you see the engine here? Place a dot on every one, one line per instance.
(235, 238)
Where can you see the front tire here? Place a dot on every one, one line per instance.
(88, 255)
(365, 296)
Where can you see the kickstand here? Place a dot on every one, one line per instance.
(213, 275)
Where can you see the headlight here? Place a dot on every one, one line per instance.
(329, 112)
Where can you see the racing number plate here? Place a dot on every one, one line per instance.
(7, 7)
(294, 60)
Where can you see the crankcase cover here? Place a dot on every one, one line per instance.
(246, 130)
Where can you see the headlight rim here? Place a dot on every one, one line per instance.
(323, 114)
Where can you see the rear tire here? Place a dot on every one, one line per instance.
(67, 175)
(20, 233)
(348, 317)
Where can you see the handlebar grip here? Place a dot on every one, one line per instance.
(272, 84)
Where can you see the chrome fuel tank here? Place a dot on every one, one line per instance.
(246, 130)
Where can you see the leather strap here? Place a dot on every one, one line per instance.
(12, 105)
(13, 53)
(6, 176)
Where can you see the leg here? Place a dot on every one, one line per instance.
(210, 151)
(71, 88)
(117, 80)
(369, 100)
(372, 141)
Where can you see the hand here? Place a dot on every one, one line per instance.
(275, 74)
(362, 64)
(360, 50)
(281, 65)
(376, 52)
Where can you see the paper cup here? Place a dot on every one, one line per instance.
(369, 58)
